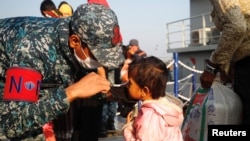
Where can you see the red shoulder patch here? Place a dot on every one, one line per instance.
(117, 38)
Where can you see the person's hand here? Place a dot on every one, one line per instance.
(206, 79)
(209, 74)
(142, 53)
(133, 49)
(124, 70)
(129, 117)
(89, 85)
(101, 71)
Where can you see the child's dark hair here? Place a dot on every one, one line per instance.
(151, 72)
(49, 5)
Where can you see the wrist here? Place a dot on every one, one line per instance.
(71, 96)
(211, 68)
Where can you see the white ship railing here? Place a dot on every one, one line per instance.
(183, 33)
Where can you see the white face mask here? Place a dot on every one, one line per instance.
(88, 63)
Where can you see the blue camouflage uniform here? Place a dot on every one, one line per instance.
(42, 44)
(109, 108)
(36, 43)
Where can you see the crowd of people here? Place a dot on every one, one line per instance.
(79, 63)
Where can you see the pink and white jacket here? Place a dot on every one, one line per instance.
(157, 120)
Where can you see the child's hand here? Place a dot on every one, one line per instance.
(129, 117)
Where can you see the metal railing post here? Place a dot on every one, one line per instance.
(176, 84)
(193, 80)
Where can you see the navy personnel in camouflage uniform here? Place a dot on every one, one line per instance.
(59, 49)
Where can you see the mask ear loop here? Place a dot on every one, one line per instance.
(90, 56)
(84, 53)
(120, 85)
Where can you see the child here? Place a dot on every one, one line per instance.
(160, 115)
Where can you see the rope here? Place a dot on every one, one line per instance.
(185, 83)
(186, 79)
(170, 64)
(181, 80)
(179, 90)
(187, 67)
(183, 97)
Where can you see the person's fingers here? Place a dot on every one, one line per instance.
(129, 117)
(88, 86)
(206, 79)
(101, 72)
(98, 84)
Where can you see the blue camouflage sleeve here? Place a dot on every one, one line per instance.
(24, 43)
(19, 118)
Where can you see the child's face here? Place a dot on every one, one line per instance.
(134, 90)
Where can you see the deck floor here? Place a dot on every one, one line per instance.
(116, 136)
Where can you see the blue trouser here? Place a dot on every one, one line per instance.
(108, 113)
